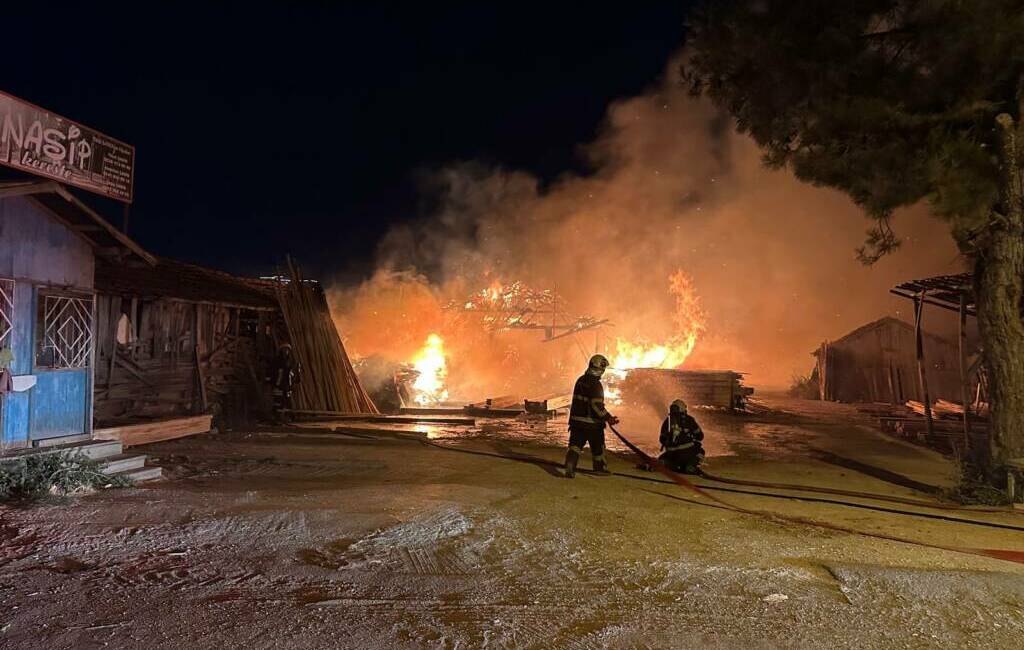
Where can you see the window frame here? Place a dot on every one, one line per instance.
(77, 308)
(7, 315)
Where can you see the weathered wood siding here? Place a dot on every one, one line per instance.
(185, 358)
(879, 364)
(35, 246)
(38, 251)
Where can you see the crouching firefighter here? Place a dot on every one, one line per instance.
(680, 440)
(588, 417)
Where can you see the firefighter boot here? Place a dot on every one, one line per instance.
(571, 458)
(600, 465)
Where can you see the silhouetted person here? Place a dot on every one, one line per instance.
(588, 417)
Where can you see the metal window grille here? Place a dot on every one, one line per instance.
(6, 313)
(67, 331)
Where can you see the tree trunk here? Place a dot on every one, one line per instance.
(998, 272)
(999, 275)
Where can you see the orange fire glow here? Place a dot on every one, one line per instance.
(689, 320)
(431, 364)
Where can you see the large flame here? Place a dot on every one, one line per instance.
(689, 320)
(432, 368)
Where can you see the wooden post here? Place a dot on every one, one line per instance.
(921, 373)
(963, 374)
(197, 354)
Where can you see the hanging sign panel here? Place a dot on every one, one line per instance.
(39, 142)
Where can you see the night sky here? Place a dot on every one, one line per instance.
(262, 129)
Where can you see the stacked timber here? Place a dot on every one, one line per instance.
(156, 431)
(908, 422)
(504, 406)
(549, 404)
(329, 383)
(659, 386)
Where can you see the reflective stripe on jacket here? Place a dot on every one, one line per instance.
(587, 406)
(681, 432)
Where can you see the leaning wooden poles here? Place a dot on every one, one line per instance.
(329, 382)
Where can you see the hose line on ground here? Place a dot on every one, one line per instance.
(862, 495)
(999, 554)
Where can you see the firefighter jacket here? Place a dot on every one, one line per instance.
(680, 432)
(285, 372)
(587, 410)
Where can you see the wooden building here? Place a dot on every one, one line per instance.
(49, 245)
(174, 339)
(878, 363)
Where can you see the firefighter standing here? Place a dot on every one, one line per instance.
(284, 374)
(588, 417)
(680, 440)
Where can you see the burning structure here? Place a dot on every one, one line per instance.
(670, 188)
(519, 307)
(506, 318)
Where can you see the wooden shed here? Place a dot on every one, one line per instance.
(878, 363)
(174, 339)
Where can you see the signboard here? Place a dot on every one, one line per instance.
(39, 142)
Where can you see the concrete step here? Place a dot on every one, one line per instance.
(63, 440)
(142, 474)
(95, 449)
(123, 463)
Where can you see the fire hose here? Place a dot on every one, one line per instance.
(678, 479)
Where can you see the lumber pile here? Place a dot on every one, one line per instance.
(503, 406)
(156, 431)
(379, 419)
(908, 422)
(548, 404)
(944, 410)
(500, 402)
(431, 410)
(659, 386)
(329, 382)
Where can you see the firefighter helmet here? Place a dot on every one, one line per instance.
(678, 405)
(599, 362)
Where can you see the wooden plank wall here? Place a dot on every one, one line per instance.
(880, 366)
(186, 358)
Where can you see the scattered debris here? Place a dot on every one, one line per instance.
(775, 598)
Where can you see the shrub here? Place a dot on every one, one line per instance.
(971, 488)
(35, 476)
(804, 386)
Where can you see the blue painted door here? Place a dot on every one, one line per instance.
(58, 403)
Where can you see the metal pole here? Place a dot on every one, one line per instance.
(921, 374)
(963, 374)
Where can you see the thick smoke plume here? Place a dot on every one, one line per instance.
(673, 187)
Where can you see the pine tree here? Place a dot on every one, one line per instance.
(894, 102)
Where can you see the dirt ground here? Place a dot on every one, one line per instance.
(314, 539)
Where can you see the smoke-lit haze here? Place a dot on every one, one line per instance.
(673, 187)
